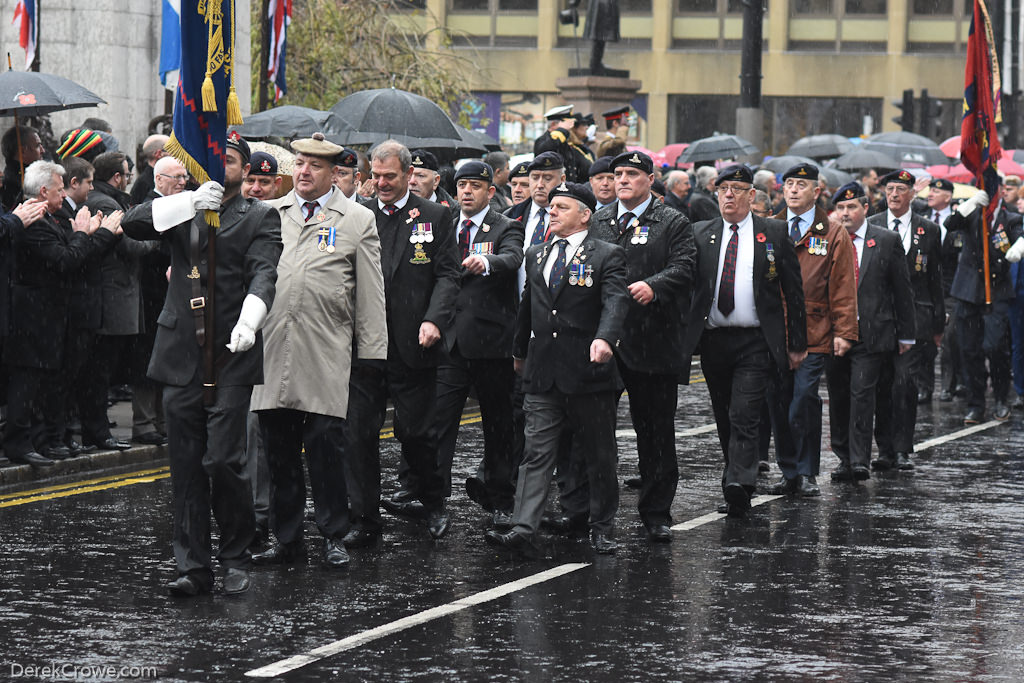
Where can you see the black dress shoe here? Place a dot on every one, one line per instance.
(1002, 411)
(738, 499)
(1018, 402)
(974, 416)
(903, 462)
(633, 482)
(659, 533)
(279, 553)
(112, 444)
(842, 473)
(410, 509)
(438, 522)
(335, 555)
(187, 586)
(511, 540)
(603, 543)
(57, 452)
(74, 447)
(32, 458)
(883, 463)
(563, 524)
(477, 492)
(809, 487)
(860, 472)
(784, 486)
(151, 439)
(924, 397)
(361, 538)
(236, 581)
(502, 519)
(946, 396)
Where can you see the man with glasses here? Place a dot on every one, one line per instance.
(739, 325)
(348, 177)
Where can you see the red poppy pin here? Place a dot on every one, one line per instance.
(871, 242)
(920, 230)
(414, 213)
(761, 237)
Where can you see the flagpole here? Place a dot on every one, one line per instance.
(984, 251)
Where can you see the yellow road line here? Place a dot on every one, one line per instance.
(28, 498)
(82, 483)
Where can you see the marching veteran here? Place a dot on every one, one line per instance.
(330, 293)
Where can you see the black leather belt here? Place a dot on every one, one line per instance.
(198, 302)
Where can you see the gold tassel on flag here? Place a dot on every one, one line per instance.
(234, 107)
(215, 54)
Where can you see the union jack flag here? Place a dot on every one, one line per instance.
(28, 33)
(279, 16)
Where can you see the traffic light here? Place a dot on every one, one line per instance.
(931, 117)
(906, 117)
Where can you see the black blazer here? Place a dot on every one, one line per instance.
(565, 324)
(653, 337)
(885, 299)
(418, 288)
(519, 212)
(248, 249)
(85, 308)
(924, 265)
(486, 306)
(784, 328)
(969, 282)
(47, 259)
(701, 207)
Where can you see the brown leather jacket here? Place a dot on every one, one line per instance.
(830, 285)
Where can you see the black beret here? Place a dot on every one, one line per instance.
(521, 170)
(941, 184)
(901, 176)
(579, 191)
(546, 161)
(348, 158)
(421, 158)
(847, 192)
(261, 163)
(805, 171)
(634, 159)
(238, 143)
(738, 172)
(475, 170)
(601, 165)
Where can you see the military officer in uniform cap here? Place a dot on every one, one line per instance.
(262, 182)
(896, 402)
(616, 122)
(827, 270)
(580, 159)
(348, 177)
(602, 182)
(886, 318)
(747, 321)
(984, 332)
(426, 179)
(570, 320)
(519, 183)
(206, 425)
(660, 264)
(329, 278)
(480, 358)
(556, 138)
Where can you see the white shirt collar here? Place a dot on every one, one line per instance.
(400, 204)
(806, 219)
(321, 201)
(638, 210)
(74, 207)
(534, 209)
(477, 218)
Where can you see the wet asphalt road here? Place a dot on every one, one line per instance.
(912, 576)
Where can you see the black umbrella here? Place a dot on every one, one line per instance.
(836, 178)
(716, 147)
(29, 93)
(821, 146)
(907, 148)
(377, 115)
(289, 121)
(865, 158)
(785, 162)
(475, 139)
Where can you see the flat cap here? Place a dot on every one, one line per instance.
(739, 173)
(317, 146)
(634, 159)
(261, 163)
(421, 158)
(475, 170)
(804, 171)
(547, 161)
(847, 192)
(579, 191)
(600, 165)
(238, 143)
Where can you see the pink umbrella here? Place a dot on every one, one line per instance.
(951, 147)
(657, 157)
(672, 152)
(957, 173)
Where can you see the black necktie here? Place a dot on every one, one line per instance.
(539, 233)
(467, 227)
(310, 208)
(794, 231)
(559, 268)
(624, 222)
(727, 288)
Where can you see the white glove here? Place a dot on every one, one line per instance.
(980, 198)
(251, 319)
(208, 196)
(1014, 253)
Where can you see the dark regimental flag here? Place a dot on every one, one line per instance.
(205, 103)
(979, 142)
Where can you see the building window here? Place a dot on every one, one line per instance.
(866, 6)
(517, 5)
(697, 6)
(819, 7)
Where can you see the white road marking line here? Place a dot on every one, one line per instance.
(285, 665)
(298, 661)
(693, 431)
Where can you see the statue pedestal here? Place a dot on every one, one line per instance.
(596, 94)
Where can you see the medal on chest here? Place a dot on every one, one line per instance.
(769, 251)
(639, 234)
(999, 239)
(817, 246)
(422, 232)
(419, 256)
(481, 248)
(921, 263)
(326, 237)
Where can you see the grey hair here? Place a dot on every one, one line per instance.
(38, 175)
(762, 196)
(765, 179)
(164, 162)
(393, 148)
(673, 178)
(705, 174)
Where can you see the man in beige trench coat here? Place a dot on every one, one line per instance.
(330, 295)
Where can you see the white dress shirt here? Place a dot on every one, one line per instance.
(904, 228)
(400, 204)
(575, 240)
(320, 202)
(745, 312)
(478, 220)
(637, 211)
(940, 218)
